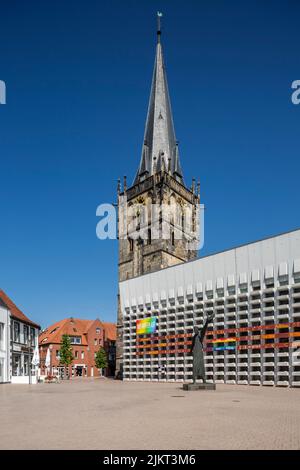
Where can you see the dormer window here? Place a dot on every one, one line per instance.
(75, 339)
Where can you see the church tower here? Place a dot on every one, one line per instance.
(158, 213)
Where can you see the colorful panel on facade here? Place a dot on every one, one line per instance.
(146, 326)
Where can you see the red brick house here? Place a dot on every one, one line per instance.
(87, 337)
(110, 337)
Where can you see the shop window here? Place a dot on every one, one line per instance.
(16, 364)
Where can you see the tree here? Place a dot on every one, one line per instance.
(66, 353)
(101, 359)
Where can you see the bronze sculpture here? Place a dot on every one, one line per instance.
(197, 351)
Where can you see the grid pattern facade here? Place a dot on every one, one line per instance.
(256, 326)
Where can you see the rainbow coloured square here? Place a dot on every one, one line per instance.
(146, 326)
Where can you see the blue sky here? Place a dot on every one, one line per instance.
(78, 79)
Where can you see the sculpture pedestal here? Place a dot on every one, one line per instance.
(200, 386)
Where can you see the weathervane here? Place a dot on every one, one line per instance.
(159, 15)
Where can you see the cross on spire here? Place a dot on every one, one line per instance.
(159, 15)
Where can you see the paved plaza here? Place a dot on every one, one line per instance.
(108, 414)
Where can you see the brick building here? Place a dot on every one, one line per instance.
(110, 334)
(87, 337)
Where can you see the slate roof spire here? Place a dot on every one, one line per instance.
(159, 139)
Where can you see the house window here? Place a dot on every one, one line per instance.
(32, 334)
(57, 354)
(16, 332)
(75, 339)
(25, 332)
(82, 354)
(76, 354)
(97, 331)
(95, 341)
(173, 239)
(1, 336)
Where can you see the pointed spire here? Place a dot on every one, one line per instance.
(159, 129)
(193, 186)
(143, 166)
(176, 163)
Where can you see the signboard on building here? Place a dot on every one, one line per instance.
(146, 326)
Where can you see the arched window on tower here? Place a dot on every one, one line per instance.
(130, 244)
(149, 236)
(173, 238)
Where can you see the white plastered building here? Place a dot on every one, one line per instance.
(4, 343)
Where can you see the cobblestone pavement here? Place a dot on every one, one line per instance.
(107, 414)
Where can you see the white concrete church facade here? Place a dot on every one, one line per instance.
(254, 292)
